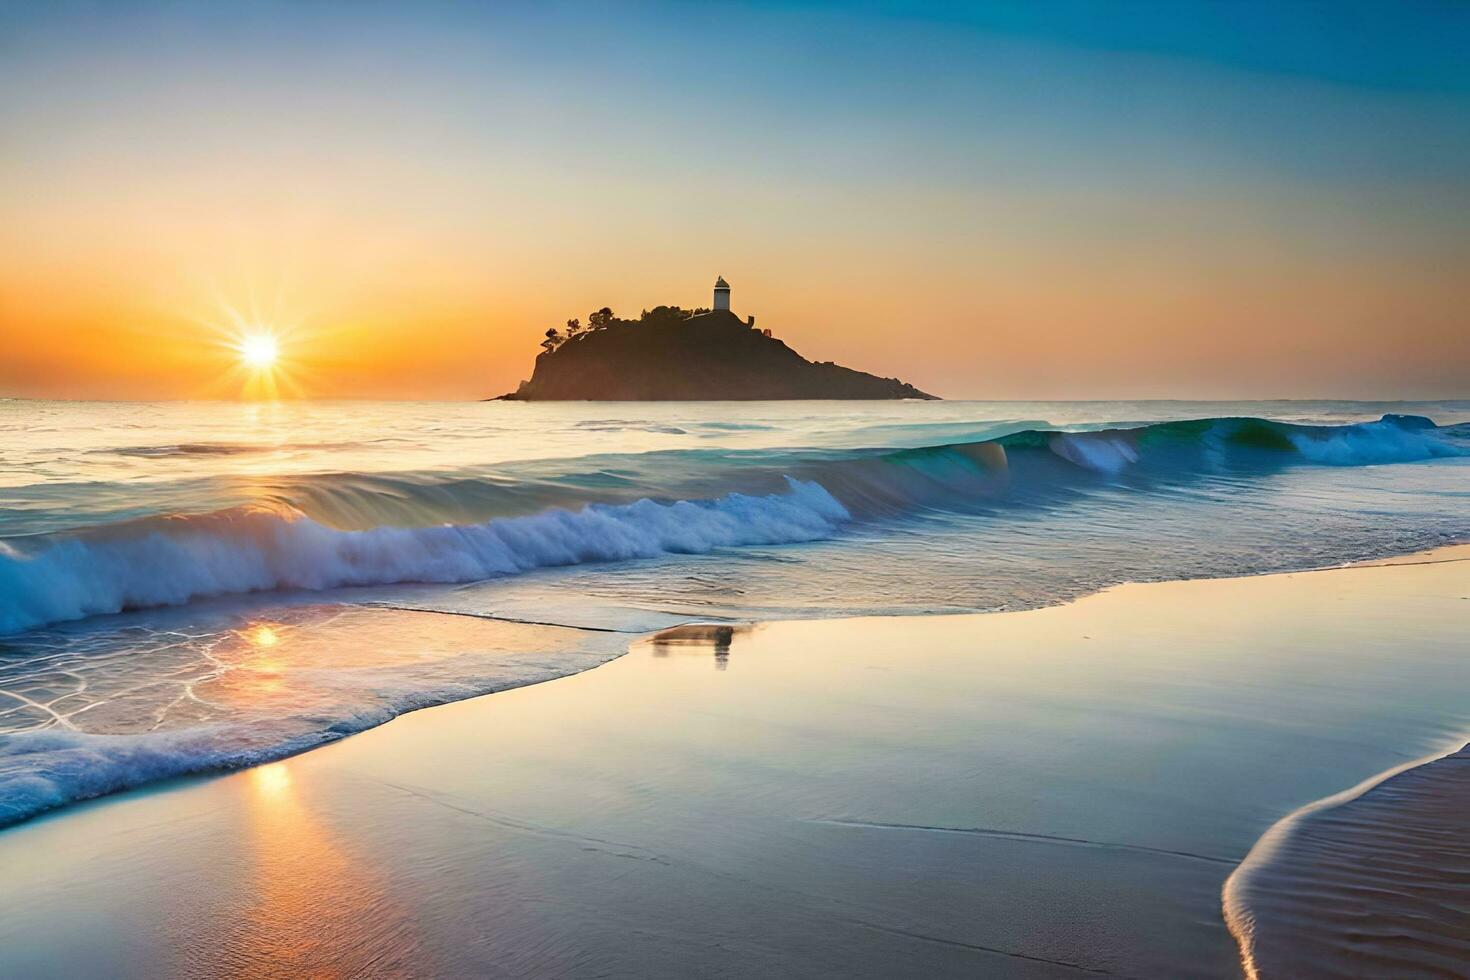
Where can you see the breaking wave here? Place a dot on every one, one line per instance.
(171, 560)
(295, 540)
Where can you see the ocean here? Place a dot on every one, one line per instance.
(195, 586)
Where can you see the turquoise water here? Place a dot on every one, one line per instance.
(140, 543)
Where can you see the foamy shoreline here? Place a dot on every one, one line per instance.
(1006, 792)
(1300, 901)
(1296, 903)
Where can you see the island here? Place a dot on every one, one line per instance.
(674, 354)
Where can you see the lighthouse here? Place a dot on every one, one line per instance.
(722, 295)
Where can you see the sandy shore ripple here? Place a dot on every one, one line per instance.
(1373, 882)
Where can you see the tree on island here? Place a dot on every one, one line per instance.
(659, 317)
(605, 318)
(667, 313)
(671, 353)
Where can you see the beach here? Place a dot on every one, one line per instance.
(668, 491)
(1053, 792)
(188, 588)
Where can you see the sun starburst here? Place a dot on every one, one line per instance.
(264, 348)
(259, 351)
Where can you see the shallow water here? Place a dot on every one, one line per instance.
(1371, 882)
(1042, 794)
(208, 520)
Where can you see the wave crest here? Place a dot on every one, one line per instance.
(170, 561)
(731, 501)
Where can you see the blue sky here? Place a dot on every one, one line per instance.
(1277, 164)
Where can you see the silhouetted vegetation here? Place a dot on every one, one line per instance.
(672, 353)
(604, 319)
(665, 314)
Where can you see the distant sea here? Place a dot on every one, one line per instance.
(152, 556)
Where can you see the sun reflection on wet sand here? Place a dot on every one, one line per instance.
(311, 907)
(271, 780)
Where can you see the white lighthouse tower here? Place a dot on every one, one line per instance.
(722, 295)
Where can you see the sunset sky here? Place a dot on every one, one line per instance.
(1012, 200)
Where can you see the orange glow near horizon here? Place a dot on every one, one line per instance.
(1122, 326)
(406, 206)
(1169, 313)
(262, 370)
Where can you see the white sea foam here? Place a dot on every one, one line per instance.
(97, 708)
(1103, 452)
(1028, 515)
(171, 561)
(1392, 439)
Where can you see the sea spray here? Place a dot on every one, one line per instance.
(290, 542)
(799, 520)
(170, 561)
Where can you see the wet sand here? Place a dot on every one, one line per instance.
(1052, 793)
(1375, 882)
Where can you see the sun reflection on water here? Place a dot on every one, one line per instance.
(271, 780)
(303, 895)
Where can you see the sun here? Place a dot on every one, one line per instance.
(259, 350)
